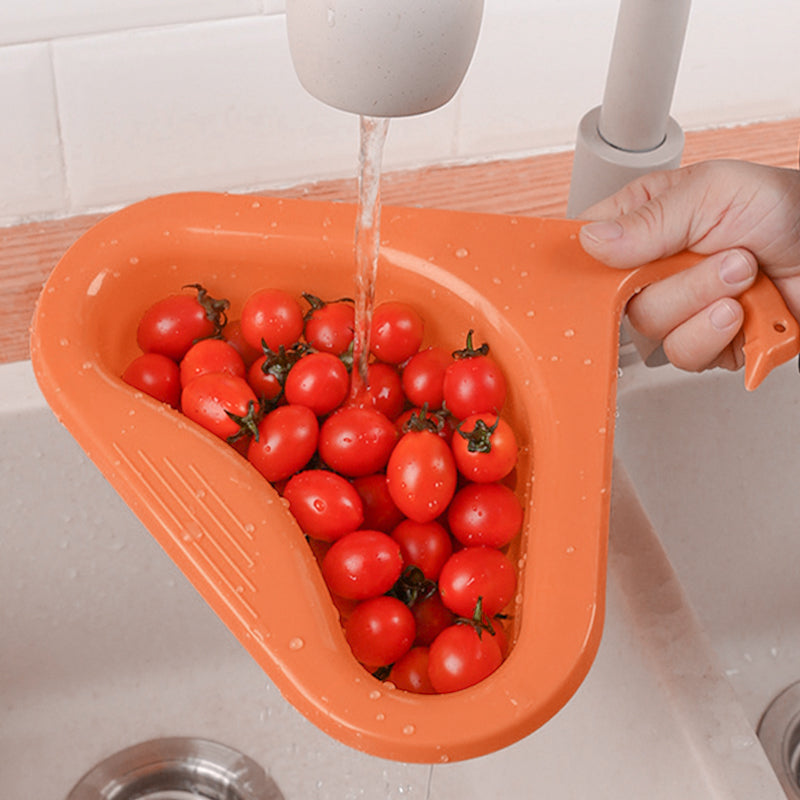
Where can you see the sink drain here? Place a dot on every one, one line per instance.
(779, 732)
(177, 769)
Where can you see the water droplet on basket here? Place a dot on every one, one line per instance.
(462, 252)
(569, 333)
(380, 716)
(409, 729)
(296, 644)
(374, 694)
(255, 204)
(64, 342)
(133, 260)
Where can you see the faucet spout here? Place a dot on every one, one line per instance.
(395, 58)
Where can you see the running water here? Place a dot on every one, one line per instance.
(367, 240)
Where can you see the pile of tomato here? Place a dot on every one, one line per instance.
(402, 488)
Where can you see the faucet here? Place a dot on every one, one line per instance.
(632, 132)
(395, 58)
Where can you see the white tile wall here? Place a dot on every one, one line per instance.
(152, 96)
(31, 169)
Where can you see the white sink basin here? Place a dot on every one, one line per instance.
(105, 644)
(718, 469)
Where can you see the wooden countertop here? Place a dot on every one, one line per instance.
(535, 186)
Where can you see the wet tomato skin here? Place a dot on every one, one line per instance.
(156, 375)
(325, 505)
(379, 631)
(462, 656)
(421, 475)
(287, 439)
(362, 564)
(356, 441)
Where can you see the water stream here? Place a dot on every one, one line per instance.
(367, 240)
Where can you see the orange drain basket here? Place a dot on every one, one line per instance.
(551, 316)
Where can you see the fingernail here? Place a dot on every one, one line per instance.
(600, 232)
(722, 315)
(735, 268)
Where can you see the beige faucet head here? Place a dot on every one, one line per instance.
(383, 58)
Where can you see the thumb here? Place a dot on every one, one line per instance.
(658, 226)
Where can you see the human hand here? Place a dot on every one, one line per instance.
(740, 215)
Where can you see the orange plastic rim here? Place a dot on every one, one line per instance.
(550, 315)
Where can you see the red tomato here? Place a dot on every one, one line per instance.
(462, 656)
(410, 673)
(379, 631)
(173, 324)
(356, 441)
(380, 512)
(421, 475)
(287, 439)
(473, 383)
(233, 336)
(432, 617)
(396, 332)
(485, 513)
(384, 389)
(362, 564)
(319, 381)
(223, 404)
(156, 375)
(263, 382)
(329, 326)
(423, 377)
(477, 572)
(426, 545)
(211, 355)
(485, 448)
(267, 374)
(324, 504)
(272, 316)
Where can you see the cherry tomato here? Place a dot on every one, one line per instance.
(380, 512)
(410, 673)
(379, 631)
(423, 377)
(484, 513)
(272, 316)
(157, 375)
(396, 332)
(362, 564)
(473, 383)
(421, 475)
(385, 389)
(319, 381)
(426, 545)
(287, 439)
(473, 573)
(485, 448)
(233, 336)
(324, 504)
(432, 617)
(329, 326)
(267, 374)
(462, 656)
(211, 355)
(223, 404)
(356, 441)
(173, 324)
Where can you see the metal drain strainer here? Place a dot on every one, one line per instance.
(177, 769)
(779, 732)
